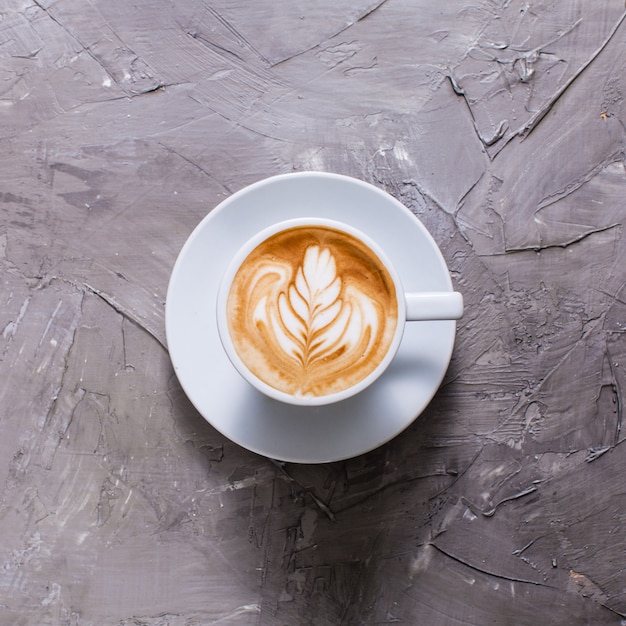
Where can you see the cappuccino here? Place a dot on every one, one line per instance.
(312, 311)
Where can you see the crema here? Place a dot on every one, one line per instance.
(312, 311)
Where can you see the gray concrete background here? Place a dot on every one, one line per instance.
(500, 123)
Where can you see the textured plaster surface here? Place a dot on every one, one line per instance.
(500, 123)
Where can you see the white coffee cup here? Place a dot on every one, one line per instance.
(311, 311)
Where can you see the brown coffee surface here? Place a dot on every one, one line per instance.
(312, 311)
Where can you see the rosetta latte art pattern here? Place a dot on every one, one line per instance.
(312, 311)
(311, 322)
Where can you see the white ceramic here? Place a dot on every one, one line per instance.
(422, 306)
(305, 434)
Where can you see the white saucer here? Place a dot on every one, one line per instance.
(268, 427)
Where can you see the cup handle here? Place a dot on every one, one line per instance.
(439, 305)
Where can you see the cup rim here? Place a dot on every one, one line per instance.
(222, 318)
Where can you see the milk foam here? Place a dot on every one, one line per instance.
(314, 316)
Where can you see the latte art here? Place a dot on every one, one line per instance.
(310, 322)
(312, 311)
